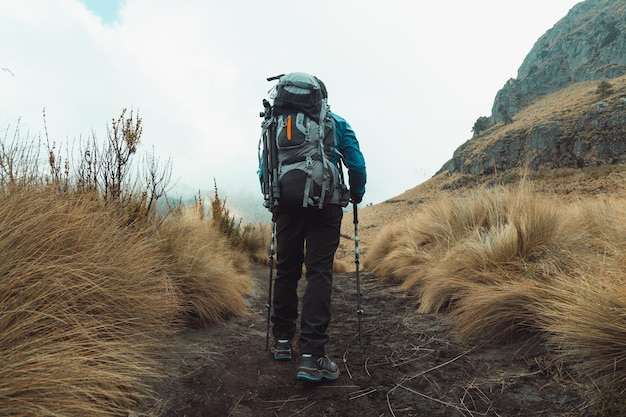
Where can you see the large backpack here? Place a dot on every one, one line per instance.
(298, 136)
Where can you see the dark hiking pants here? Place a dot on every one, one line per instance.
(309, 236)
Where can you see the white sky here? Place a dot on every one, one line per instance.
(411, 77)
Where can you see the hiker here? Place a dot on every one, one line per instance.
(308, 228)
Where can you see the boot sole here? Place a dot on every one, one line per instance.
(281, 355)
(317, 376)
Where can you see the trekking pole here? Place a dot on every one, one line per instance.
(271, 191)
(359, 310)
(268, 306)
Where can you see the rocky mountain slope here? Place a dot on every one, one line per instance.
(553, 115)
(587, 44)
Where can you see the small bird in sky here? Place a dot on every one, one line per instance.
(8, 70)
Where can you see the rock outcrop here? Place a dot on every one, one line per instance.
(589, 43)
(594, 137)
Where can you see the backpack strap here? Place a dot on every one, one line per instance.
(300, 122)
(309, 181)
(326, 175)
(324, 117)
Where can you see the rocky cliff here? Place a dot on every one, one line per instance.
(586, 45)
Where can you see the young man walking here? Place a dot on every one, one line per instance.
(310, 236)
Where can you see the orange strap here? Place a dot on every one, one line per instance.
(289, 127)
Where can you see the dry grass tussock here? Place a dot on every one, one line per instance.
(90, 303)
(209, 273)
(514, 264)
(255, 240)
(85, 308)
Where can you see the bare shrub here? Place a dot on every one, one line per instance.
(19, 158)
(226, 223)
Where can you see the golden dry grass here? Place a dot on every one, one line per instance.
(514, 264)
(89, 305)
(583, 318)
(211, 276)
(255, 240)
(85, 309)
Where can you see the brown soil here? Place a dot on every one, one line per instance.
(412, 365)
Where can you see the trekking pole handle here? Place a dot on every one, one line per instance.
(355, 220)
(267, 110)
(275, 77)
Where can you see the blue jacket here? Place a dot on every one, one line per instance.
(348, 146)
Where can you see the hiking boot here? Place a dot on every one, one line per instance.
(317, 369)
(281, 349)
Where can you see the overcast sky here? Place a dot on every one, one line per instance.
(411, 77)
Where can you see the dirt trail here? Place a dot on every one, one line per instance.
(414, 365)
